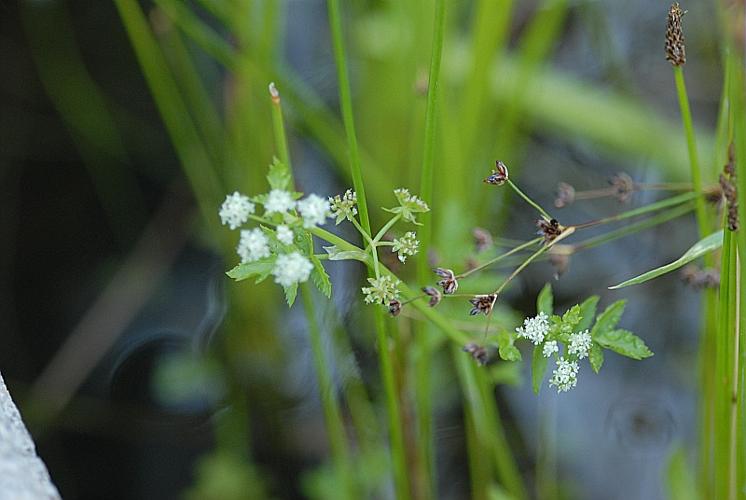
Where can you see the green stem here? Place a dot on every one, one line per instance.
(686, 118)
(521, 268)
(530, 201)
(668, 202)
(332, 413)
(500, 257)
(345, 103)
(382, 232)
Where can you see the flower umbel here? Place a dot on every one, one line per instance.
(253, 245)
(382, 290)
(565, 376)
(285, 234)
(409, 205)
(236, 210)
(343, 207)
(279, 201)
(534, 329)
(549, 348)
(406, 245)
(314, 210)
(580, 344)
(292, 268)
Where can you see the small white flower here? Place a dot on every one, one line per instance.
(550, 347)
(292, 268)
(410, 201)
(534, 329)
(285, 234)
(382, 290)
(580, 344)
(406, 245)
(343, 207)
(279, 201)
(565, 376)
(314, 210)
(236, 210)
(253, 245)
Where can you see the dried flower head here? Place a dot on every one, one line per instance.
(235, 210)
(675, 50)
(565, 195)
(477, 352)
(406, 245)
(253, 245)
(549, 229)
(499, 174)
(482, 239)
(314, 209)
(382, 290)
(534, 329)
(344, 207)
(482, 304)
(565, 376)
(395, 307)
(434, 294)
(622, 186)
(292, 268)
(448, 281)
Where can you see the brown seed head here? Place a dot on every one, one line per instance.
(623, 186)
(499, 174)
(477, 352)
(675, 51)
(482, 239)
(549, 229)
(434, 294)
(394, 307)
(482, 304)
(449, 282)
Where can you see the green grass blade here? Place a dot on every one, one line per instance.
(702, 247)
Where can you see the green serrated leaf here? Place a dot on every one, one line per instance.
(505, 347)
(538, 368)
(705, 245)
(596, 357)
(320, 278)
(625, 343)
(571, 318)
(279, 175)
(336, 254)
(545, 300)
(291, 292)
(259, 268)
(588, 312)
(607, 320)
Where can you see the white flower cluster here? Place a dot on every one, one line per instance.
(235, 210)
(565, 376)
(534, 329)
(285, 235)
(549, 348)
(406, 245)
(410, 201)
(382, 290)
(279, 201)
(343, 207)
(580, 344)
(292, 268)
(253, 245)
(314, 210)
